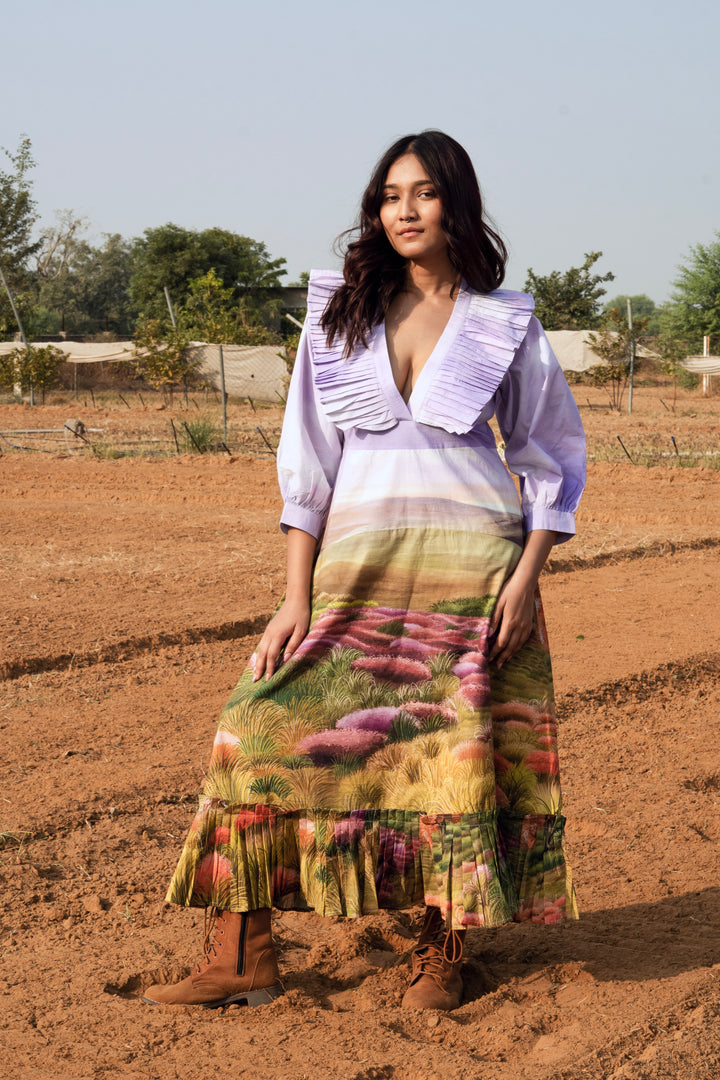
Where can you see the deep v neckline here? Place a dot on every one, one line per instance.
(406, 409)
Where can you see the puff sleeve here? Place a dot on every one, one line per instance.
(310, 450)
(543, 433)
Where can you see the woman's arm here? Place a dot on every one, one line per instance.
(513, 616)
(290, 623)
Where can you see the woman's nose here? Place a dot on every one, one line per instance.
(407, 209)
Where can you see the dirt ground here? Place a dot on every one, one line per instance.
(132, 594)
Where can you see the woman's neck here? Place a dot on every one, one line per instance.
(431, 279)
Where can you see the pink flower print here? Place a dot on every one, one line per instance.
(225, 738)
(393, 669)
(475, 690)
(542, 761)
(212, 871)
(501, 764)
(476, 658)
(348, 831)
(548, 742)
(472, 750)
(221, 835)
(465, 667)
(408, 645)
(325, 747)
(515, 710)
(378, 719)
(429, 710)
(252, 815)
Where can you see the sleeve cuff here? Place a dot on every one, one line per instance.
(561, 522)
(298, 517)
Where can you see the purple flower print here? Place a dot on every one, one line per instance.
(325, 747)
(378, 719)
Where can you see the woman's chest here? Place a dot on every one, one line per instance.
(412, 332)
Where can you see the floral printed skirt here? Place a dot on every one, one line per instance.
(386, 764)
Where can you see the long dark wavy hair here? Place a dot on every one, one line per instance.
(374, 272)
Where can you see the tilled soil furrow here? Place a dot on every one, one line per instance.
(112, 652)
(652, 550)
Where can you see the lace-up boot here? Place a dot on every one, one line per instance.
(436, 982)
(239, 966)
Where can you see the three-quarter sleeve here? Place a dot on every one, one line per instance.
(310, 449)
(543, 433)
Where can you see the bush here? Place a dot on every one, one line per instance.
(33, 367)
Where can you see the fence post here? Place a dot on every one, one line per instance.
(632, 354)
(222, 393)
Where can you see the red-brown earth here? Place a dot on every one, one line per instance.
(132, 593)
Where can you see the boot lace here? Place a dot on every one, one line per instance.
(211, 932)
(436, 958)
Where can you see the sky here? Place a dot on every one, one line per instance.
(593, 127)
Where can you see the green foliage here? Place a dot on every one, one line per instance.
(162, 356)
(569, 301)
(694, 308)
(613, 345)
(672, 351)
(85, 286)
(172, 256)
(213, 314)
(198, 434)
(642, 308)
(34, 367)
(17, 212)
(17, 220)
(470, 605)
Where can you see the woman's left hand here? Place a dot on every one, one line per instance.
(512, 619)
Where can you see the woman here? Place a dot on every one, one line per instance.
(393, 742)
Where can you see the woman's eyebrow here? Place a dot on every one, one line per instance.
(415, 183)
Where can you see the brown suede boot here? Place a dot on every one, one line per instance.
(239, 966)
(436, 982)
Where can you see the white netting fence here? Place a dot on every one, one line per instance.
(255, 371)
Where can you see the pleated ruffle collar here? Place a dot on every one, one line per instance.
(475, 362)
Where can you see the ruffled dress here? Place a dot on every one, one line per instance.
(387, 763)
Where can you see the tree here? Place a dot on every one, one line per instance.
(694, 307)
(17, 220)
(33, 368)
(642, 308)
(613, 345)
(569, 301)
(172, 256)
(85, 287)
(162, 356)
(212, 315)
(672, 351)
(17, 213)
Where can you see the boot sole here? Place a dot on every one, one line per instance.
(251, 998)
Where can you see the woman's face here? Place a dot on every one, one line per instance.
(410, 211)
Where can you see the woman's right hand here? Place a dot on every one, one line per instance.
(287, 628)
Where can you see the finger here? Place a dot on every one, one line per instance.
(515, 640)
(296, 637)
(259, 660)
(496, 617)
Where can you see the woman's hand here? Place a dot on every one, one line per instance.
(287, 628)
(289, 625)
(512, 620)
